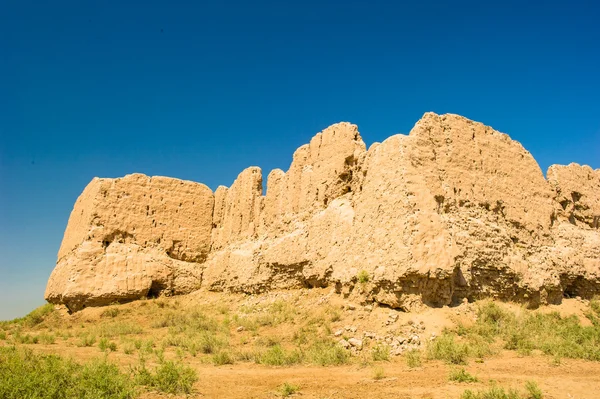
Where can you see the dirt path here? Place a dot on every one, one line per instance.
(570, 380)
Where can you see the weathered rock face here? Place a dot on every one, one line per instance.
(131, 237)
(453, 210)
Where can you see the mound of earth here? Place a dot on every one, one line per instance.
(455, 210)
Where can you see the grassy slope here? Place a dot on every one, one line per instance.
(147, 346)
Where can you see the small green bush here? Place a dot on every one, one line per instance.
(533, 390)
(326, 353)
(25, 339)
(287, 389)
(47, 339)
(413, 358)
(101, 379)
(461, 375)
(38, 315)
(278, 356)
(381, 352)
(168, 377)
(496, 392)
(593, 314)
(378, 373)
(193, 321)
(222, 357)
(171, 377)
(363, 277)
(104, 344)
(24, 374)
(128, 347)
(86, 340)
(447, 349)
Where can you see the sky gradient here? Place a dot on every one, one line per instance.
(201, 92)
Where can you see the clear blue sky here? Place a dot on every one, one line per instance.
(199, 92)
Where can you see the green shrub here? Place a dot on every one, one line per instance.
(413, 358)
(86, 340)
(100, 379)
(287, 389)
(32, 319)
(105, 344)
(38, 315)
(209, 343)
(550, 333)
(278, 356)
(222, 357)
(496, 392)
(533, 390)
(191, 322)
(168, 377)
(24, 339)
(378, 373)
(326, 353)
(461, 375)
(363, 277)
(47, 339)
(128, 348)
(24, 374)
(447, 349)
(171, 377)
(206, 342)
(593, 314)
(2, 335)
(381, 352)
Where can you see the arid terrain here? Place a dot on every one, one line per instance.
(439, 264)
(313, 343)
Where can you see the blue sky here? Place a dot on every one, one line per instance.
(202, 91)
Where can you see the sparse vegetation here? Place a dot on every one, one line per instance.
(496, 392)
(533, 390)
(128, 348)
(326, 353)
(86, 340)
(381, 352)
(169, 377)
(287, 389)
(554, 335)
(117, 328)
(24, 374)
(363, 277)
(413, 358)
(461, 375)
(46, 338)
(223, 357)
(111, 312)
(104, 344)
(278, 356)
(447, 348)
(32, 319)
(285, 333)
(378, 373)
